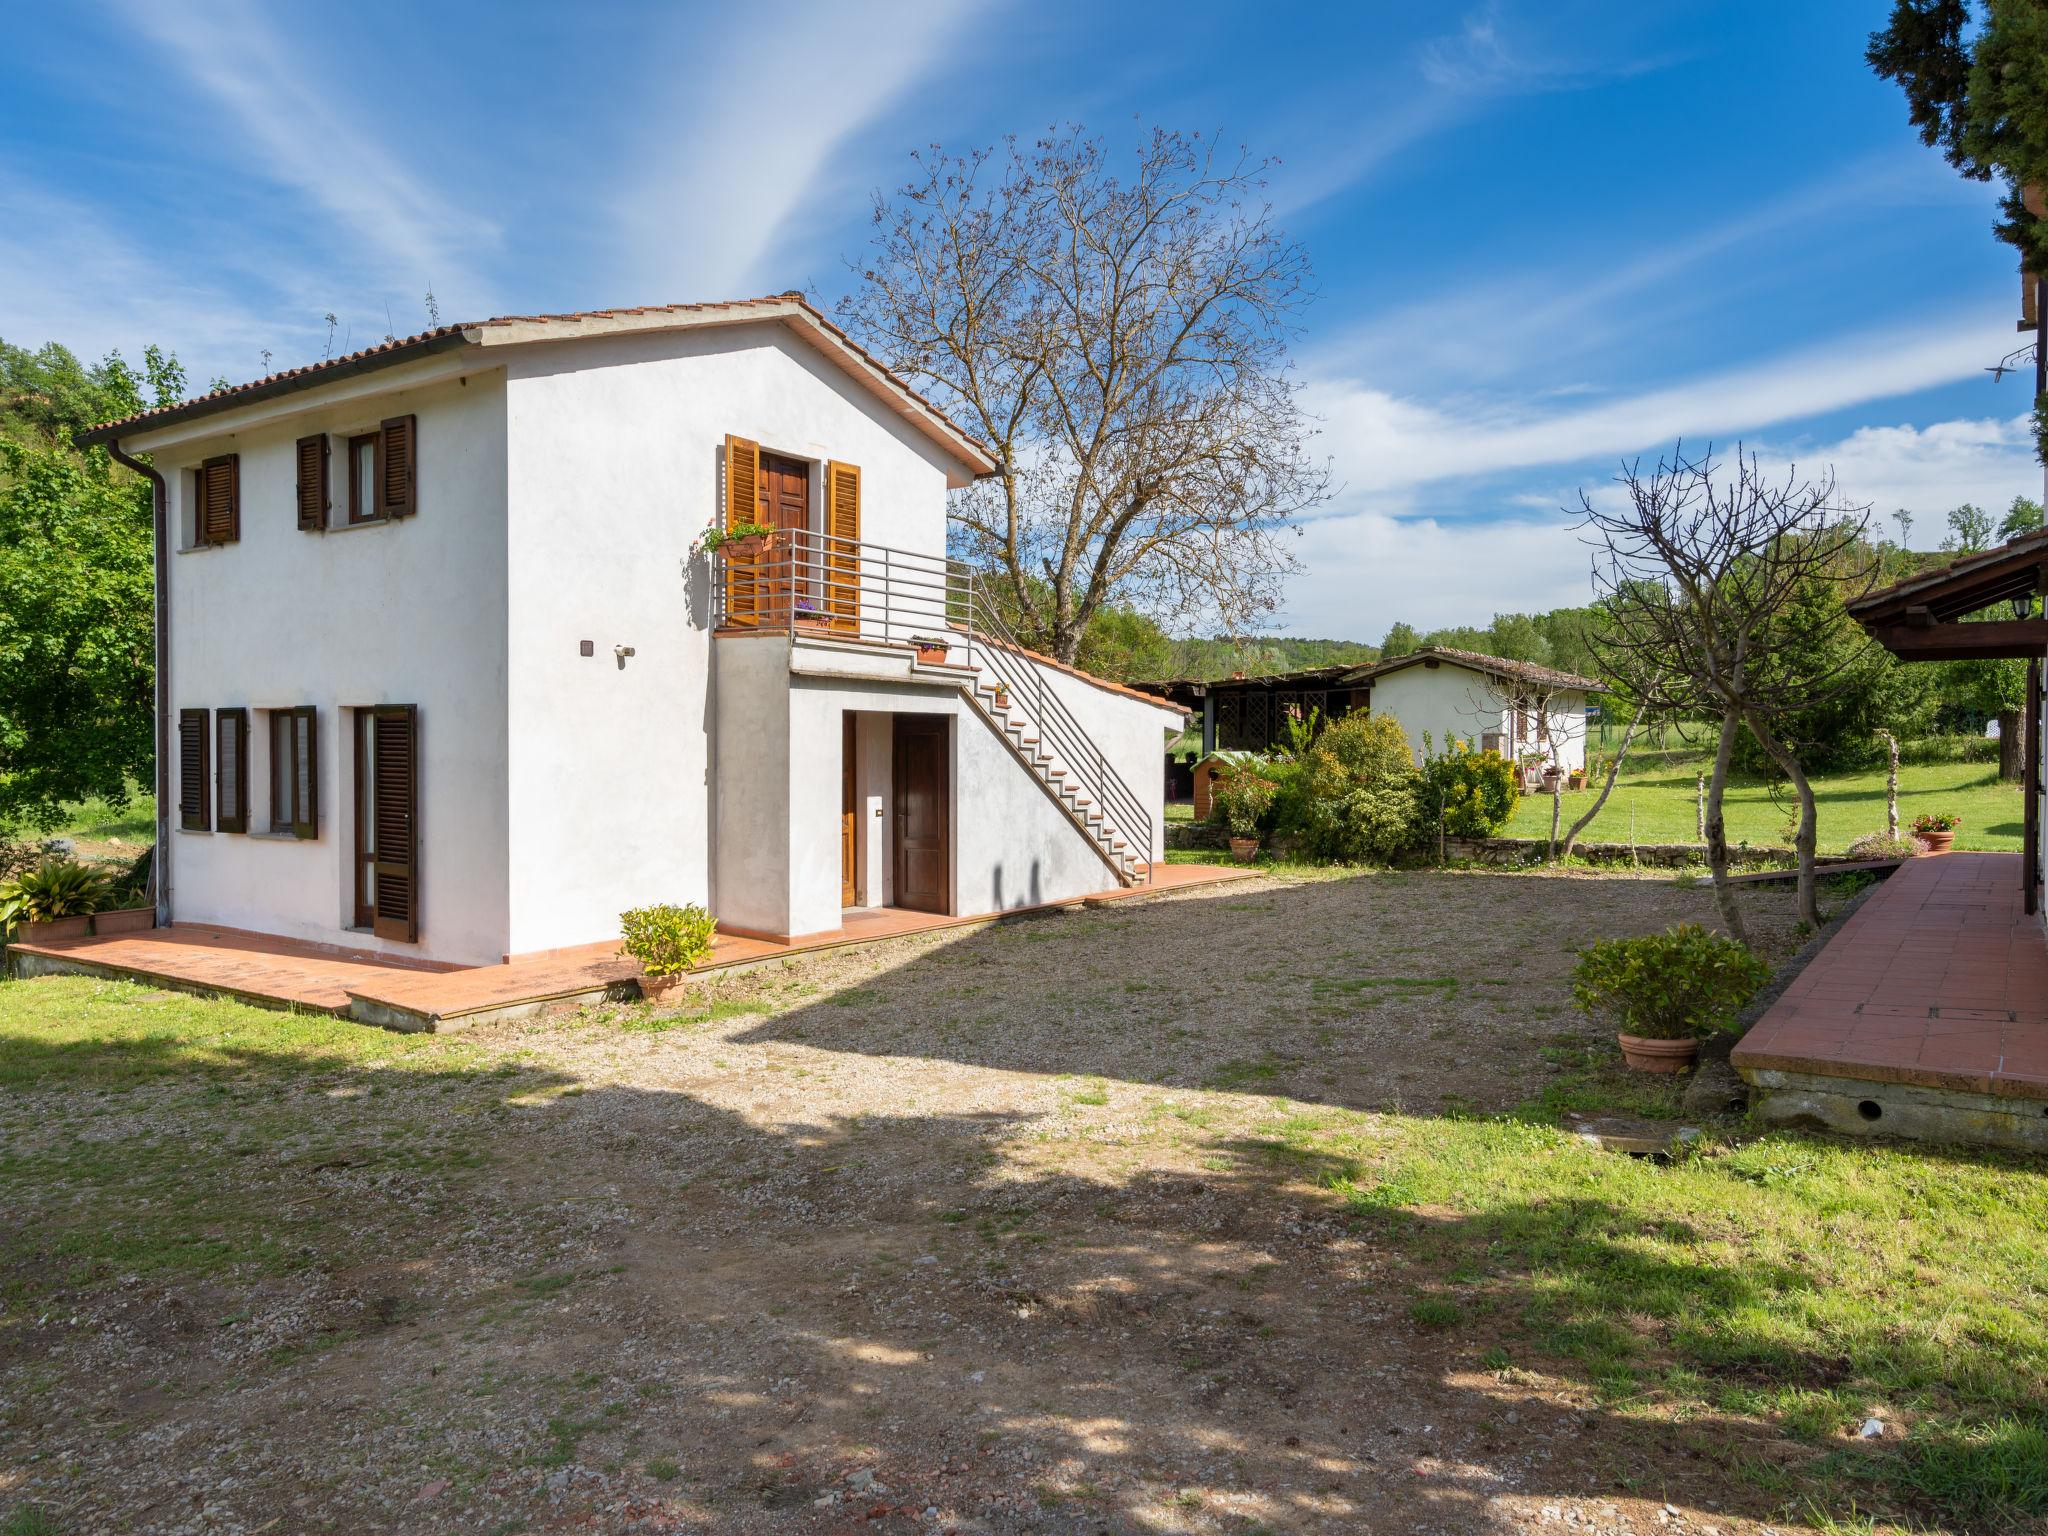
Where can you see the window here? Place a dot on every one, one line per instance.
(383, 472)
(194, 802)
(362, 478)
(294, 772)
(217, 501)
(231, 775)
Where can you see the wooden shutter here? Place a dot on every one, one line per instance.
(305, 774)
(842, 547)
(193, 798)
(742, 505)
(397, 469)
(313, 483)
(395, 812)
(231, 770)
(219, 519)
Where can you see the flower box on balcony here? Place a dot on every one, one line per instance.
(930, 652)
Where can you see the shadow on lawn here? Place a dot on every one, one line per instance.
(1283, 1335)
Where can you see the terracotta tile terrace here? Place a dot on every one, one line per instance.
(1939, 980)
(377, 988)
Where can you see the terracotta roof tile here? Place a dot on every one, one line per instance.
(1499, 666)
(441, 337)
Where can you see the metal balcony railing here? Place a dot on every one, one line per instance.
(813, 584)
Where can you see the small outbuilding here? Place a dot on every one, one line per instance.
(1515, 708)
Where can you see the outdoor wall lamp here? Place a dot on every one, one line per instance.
(2023, 606)
(622, 652)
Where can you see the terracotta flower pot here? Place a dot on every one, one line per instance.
(1936, 842)
(655, 988)
(1244, 849)
(1647, 1055)
(930, 654)
(56, 928)
(752, 547)
(124, 920)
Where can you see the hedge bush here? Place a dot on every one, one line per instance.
(666, 939)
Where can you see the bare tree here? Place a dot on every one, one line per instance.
(1722, 597)
(1121, 343)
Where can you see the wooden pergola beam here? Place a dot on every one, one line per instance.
(1988, 641)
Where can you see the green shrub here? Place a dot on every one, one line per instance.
(1928, 750)
(1875, 845)
(1477, 791)
(1242, 800)
(1367, 826)
(1665, 986)
(1359, 797)
(53, 889)
(667, 940)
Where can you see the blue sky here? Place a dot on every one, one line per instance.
(1546, 236)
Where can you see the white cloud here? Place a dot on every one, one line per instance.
(1364, 570)
(74, 278)
(1384, 442)
(733, 157)
(303, 138)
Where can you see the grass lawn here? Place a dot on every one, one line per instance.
(1250, 1208)
(1659, 798)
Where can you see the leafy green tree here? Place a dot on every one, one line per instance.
(2023, 516)
(1124, 645)
(1969, 530)
(1401, 641)
(1976, 84)
(77, 659)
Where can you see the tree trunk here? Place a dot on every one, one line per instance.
(1891, 786)
(1699, 807)
(1613, 772)
(2012, 745)
(1804, 843)
(1717, 829)
(1556, 814)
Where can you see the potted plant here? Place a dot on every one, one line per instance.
(1241, 802)
(668, 941)
(1577, 780)
(55, 900)
(1666, 991)
(749, 541)
(1002, 694)
(931, 649)
(1937, 831)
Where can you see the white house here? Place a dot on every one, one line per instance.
(445, 670)
(1515, 708)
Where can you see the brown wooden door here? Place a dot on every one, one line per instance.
(388, 838)
(849, 821)
(922, 811)
(785, 504)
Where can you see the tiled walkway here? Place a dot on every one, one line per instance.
(291, 973)
(1939, 980)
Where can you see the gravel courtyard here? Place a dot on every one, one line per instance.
(1064, 1225)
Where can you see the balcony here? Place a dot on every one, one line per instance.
(814, 585)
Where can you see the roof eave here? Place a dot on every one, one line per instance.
(271, 389)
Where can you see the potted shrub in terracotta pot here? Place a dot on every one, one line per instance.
(55, 900)
(749, 541)
(1937, 832)
(668, 941)
(931, 649)
(1240, 802)
(1667, 991)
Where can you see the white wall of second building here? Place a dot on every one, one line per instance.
(616, 448)
(406, 612)
(1450, 703)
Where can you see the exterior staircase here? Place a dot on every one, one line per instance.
(1016, 728)
(1010, 692)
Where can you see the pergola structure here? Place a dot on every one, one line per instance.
(1931, 617)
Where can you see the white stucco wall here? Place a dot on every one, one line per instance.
(408, 612)
(1449, 702)
(1132, 734)
(615, 447)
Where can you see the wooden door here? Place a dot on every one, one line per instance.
(923, 807)
(785, 504)
(849, 818)
(389, 840)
